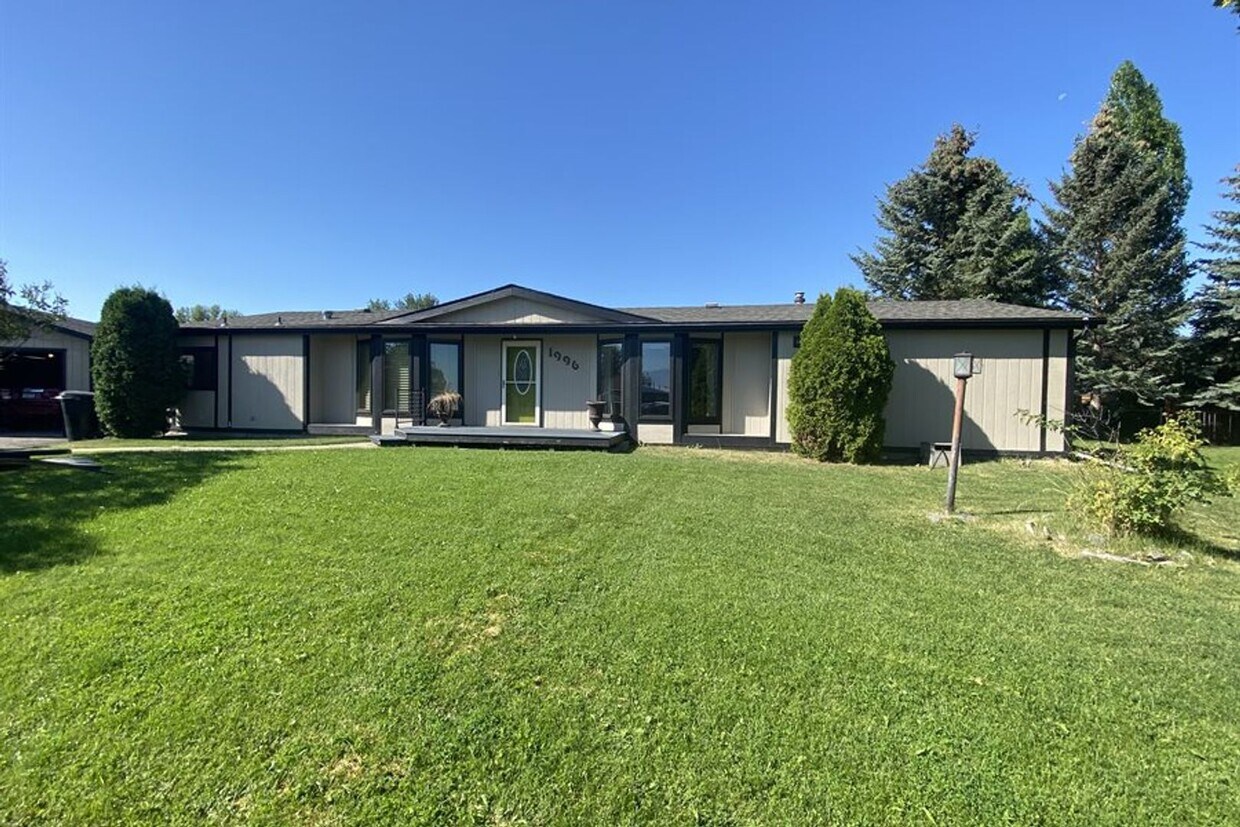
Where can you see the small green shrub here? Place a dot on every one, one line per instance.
(839, 383)
(1142, 487)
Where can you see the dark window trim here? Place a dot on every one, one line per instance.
(460, 369)
(671, 379)
(599, 342)
(718, 418)
(196, 351)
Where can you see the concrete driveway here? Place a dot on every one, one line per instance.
(25, 442)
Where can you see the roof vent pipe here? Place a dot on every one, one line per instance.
(224, 320)
(327, 314)
(799, 297)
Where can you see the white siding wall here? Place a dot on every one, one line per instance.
(1057, 386)
(267, 382)
(333, 378)
(482, 380)
(784, 364)
(923, 391)
(747, 384)
(77, 354)
(564, 390)
(197, 408)
(513, 310)
(655, 433)
(922, 394)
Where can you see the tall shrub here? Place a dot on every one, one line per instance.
(840, 380)
(134, 363)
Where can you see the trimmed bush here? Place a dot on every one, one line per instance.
(135, 364)
(839, 383)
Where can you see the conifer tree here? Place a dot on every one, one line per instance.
(135, 364)
(1116, 232)
(1215, 342)
(958, 227)
(839, 382)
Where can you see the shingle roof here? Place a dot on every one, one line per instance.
(965, 310)
(900, 313)
(299, 319)
(78, 326)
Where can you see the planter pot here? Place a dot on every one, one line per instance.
(443, 421)
(594, 412)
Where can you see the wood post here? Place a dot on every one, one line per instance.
(957, 424)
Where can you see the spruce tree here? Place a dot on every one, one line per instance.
(839, 382)
(1215, 342)
(135, 364)
(958, 227)
(1116, 232)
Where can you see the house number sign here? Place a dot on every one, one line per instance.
(563, 357)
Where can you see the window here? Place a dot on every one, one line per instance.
(705, 381)
(611, 377)
(445, 367)
(199, 364)
(656, 390)
(363, 376)
(397, 377)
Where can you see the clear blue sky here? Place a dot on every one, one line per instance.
(276, 156)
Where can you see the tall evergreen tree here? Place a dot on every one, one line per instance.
(958, 227)
(1215, 342)
(1116, 233)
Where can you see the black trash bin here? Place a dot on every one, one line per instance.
(78, 408)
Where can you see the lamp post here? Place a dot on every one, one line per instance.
(963, 367)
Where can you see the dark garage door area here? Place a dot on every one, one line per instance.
(30, 379)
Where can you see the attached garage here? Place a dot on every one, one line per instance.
(34, 370)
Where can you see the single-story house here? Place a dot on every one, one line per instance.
(34, 370)
(708, 375)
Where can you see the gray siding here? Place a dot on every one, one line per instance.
(267, 382)
(333, 379)
(747, 384)
(77, 354)
(515, 310)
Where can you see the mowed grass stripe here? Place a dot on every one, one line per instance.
(672, 636)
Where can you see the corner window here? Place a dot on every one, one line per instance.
(199, 366)
(656, 384)
(611, 376)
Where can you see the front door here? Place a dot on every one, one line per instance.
(522, 401)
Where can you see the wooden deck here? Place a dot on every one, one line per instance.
(471, 436)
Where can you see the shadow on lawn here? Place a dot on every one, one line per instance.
(43, 507)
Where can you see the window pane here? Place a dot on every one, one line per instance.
(363, 375)
(610, 377)
(656, 379)
(396, 376)
(704, 383)
(445, 367)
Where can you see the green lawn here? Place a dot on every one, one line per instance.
(220, 439)
(665, 637)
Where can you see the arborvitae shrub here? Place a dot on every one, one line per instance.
(840, 381)
(135, 364)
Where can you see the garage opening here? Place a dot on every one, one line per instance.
(30, 380)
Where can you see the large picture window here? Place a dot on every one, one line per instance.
(705, 381)
(656, 391)
(445, 367)
(611, 376)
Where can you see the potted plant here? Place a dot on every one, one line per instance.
(444, 405)
(594, 412)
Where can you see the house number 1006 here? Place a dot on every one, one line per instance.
(563, 357)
